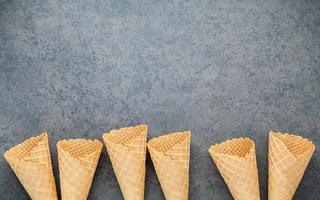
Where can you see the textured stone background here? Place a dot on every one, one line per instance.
(221, 68)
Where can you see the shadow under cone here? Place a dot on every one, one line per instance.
(289, 156)
(170, 155)
(78, 159)
(236, 161)
(31, 162)
(127, 151)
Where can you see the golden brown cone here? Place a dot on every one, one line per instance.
(31, 162)
(127, 151)
(289, 156)
(170, 155)
(236, 161)
(78, 159)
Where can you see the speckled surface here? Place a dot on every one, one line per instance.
(219, 68)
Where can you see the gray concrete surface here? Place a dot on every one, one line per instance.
(221, 68)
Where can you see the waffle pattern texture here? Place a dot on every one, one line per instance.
(236, 161)
(78, 159)
(31, 162)
(289, 156)
(127, 151)
(170, 155)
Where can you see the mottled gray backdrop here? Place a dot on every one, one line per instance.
(221, 68)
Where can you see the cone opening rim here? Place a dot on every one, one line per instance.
(178, 138)
(294, 150)
(237, 147)
(124, 135)
(23, 150)
(78, 150)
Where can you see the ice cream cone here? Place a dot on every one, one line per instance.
(78, 159)
(170, 155)
(31, 162)
(127, 150)
(289, 156)
(236, 161)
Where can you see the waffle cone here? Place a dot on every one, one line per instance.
(127, 151)
(170, 155)
(289, 156)
(31, 162)
(236, 161)
(78, 159)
